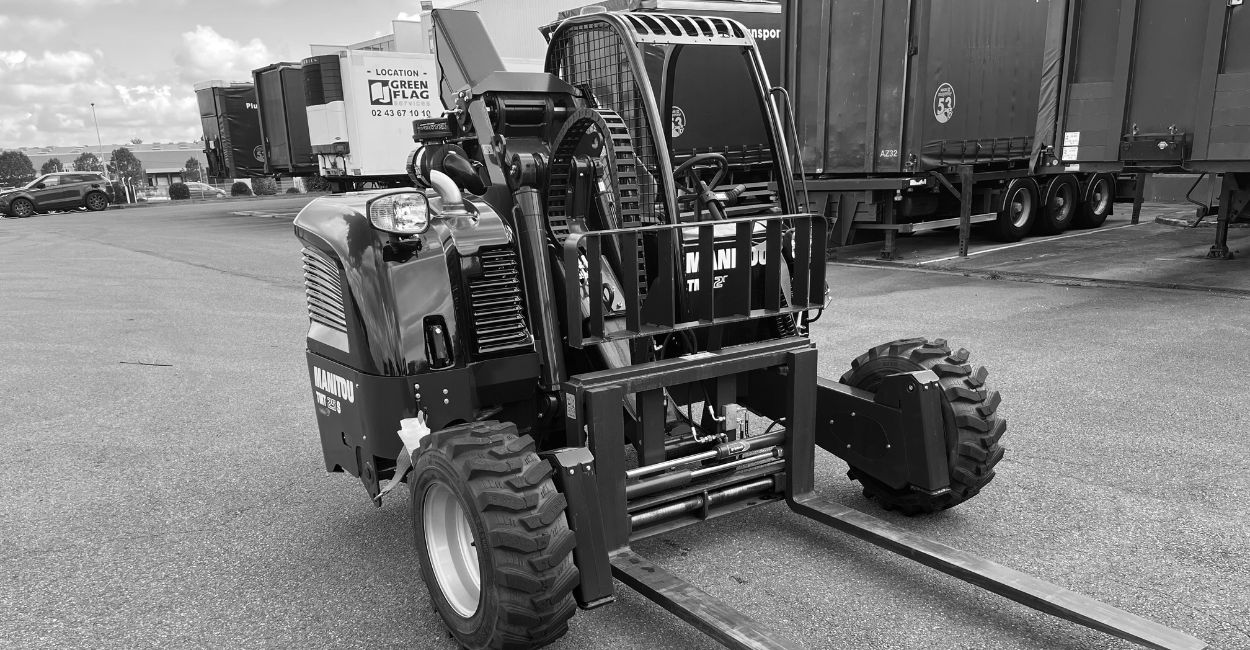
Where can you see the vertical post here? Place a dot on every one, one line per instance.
(606, 439)
(1139, 193)
(651, 427)
(800, 444)
(1230, 188)
(539, 285)
(887, 217)
(965, 208)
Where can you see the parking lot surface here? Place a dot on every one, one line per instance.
(164, 485)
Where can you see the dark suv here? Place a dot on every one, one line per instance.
(58, 191)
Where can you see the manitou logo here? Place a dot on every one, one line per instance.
(334, 385)
(725, 258)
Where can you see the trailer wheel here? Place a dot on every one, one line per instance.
(490, 530)
(1099, 198)
(973, 425)
(1061, 201)
(1018, 210)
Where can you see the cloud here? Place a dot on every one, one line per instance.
(17, 66)
(403, 15)
(47, 101)
(204, 54)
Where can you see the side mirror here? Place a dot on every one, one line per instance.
(39, 186)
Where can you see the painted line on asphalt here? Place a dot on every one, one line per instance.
(1044, 278)
(1040, 240)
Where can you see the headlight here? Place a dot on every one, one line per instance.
(404, 213)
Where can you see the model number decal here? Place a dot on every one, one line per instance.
(889, 153)
(328, 403)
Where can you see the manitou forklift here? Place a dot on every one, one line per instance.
(573, 334)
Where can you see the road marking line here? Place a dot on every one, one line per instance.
(1031, 241)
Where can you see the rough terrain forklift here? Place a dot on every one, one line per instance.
(573, 333)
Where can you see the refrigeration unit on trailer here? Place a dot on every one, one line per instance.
(360, 107)
(283, 120)
(909, 111)
(232, 141)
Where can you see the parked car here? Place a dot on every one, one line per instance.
(58, 191)
(205, 191)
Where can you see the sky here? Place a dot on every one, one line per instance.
(139, 59)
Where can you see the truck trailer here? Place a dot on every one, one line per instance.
(1117, 102)
(284, 120)
(360, 106)
(232, 140)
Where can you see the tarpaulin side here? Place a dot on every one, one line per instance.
(1052, 67)
(241, 130)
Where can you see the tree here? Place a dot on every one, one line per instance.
(15, 168)
(126, 165)
(87, 162)
(191, 170)
(53, 165)
(136, 141)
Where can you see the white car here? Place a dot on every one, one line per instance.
(205, 191)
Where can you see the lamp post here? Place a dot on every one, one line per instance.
(98, 141)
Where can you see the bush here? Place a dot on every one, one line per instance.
(179, 192)
(292, 190)
(240, 189)
(317, 184)
(264, 186)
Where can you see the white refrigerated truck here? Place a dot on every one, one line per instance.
(361, 105)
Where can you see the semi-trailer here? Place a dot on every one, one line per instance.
(360, 106)
(232, 140)
(1151, 86)
(284, 120)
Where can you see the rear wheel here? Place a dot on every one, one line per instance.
(1060, 203)
(96, 201)
(1099, 197)
(972, 424)
(494, 545)
(1018, 210)
(21, 208)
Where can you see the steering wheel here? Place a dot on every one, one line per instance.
(688, 169)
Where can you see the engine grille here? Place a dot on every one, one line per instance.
(497, 305)
(324, 291)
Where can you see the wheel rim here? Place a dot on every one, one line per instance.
(95, 202)
(1061, 203)
(1100, 196)
(1021, 207)
(453, 555)
(22, 208)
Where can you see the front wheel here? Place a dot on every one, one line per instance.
(494, 544)
(21, 208)
(970, 415)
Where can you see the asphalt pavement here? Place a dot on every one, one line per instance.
(164, 485)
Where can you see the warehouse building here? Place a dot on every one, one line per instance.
(163, 162)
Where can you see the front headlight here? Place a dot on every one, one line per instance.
(403, 213)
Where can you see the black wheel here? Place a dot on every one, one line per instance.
(1060, 203)
(1018, 210)
(1099, 198)
(21, 208)
(973, 425)
(96, 201)
(494, 544)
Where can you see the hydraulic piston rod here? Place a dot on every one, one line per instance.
(723, 450)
